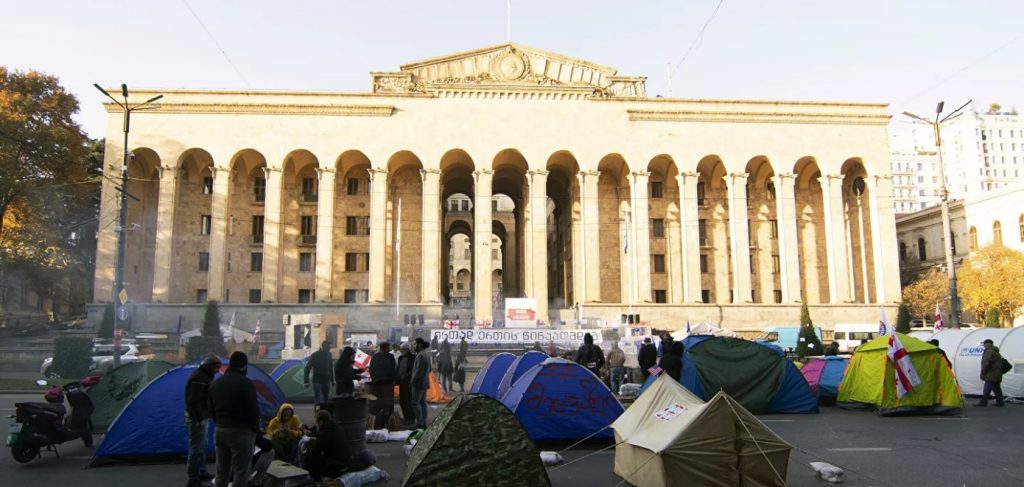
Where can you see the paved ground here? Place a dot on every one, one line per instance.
(982, 449)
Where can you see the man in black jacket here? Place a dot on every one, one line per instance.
(237, 416)
(647, 357)
(323, 374)
(197, 415)
(383, 372)
(590, 356)
(405, 361)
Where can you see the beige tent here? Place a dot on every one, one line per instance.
(669, 437)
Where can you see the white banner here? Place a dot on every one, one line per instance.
(520, 313)
(518, 335)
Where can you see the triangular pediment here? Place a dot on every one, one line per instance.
(508, 67)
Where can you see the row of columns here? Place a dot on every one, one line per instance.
(685, 284)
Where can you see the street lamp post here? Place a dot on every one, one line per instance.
(122, 217)
(947, 233)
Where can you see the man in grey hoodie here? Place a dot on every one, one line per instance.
(420, 381)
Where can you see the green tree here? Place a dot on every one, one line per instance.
(994, 109)
(992, 318)
(106, 328)
(809, 343)
(991, 278)
(211, 320)
(903, 319)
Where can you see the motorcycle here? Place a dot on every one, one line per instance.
(41, 425)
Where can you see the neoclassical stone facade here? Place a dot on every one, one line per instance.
(734, 211)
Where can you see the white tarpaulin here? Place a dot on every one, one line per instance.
(964, 350)
(702, 329)
(524, 336)
(228, 332)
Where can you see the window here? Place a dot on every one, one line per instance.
(658, 263)
(305, 262)
(357, 225)
(705, 296)
(255, 295)
(776, 266)
(774, 226)
(356, 295)
(208, 185)
(778, 295)
(309, 190)
(204, 261)
(704, 263)
(306, 296)
(1020, 224)
(256, 262)
(355, 187)
(201, 296)
(657, 228)
(903, 251)
(357, 262)
(922, 253)
(259, 189)
(660, 296)
(702, 232)
(308, 225)
(700, 194)
(257, 229)
(205, 222)
(997, 233)
(657, 189)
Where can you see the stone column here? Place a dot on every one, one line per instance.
(325, 234)
(739, 240)
(272, 235)
(642, 226)
(378, 228)
(538, 234)
(431, 252)
(789, 257)
(874, 184)
(589, 203)
(690, 236)
(164, 234)
(483, 304)
(106, 236)
(674, 261)
(218, 232)
(835, 244)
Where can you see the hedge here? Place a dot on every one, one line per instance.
(72, 356)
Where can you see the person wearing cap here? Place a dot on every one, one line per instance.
(197, 415)
(236, 413)
(991, 373)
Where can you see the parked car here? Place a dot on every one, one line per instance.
(102, 358)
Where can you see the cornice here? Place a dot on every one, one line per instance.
(269, 109)
(636, 115)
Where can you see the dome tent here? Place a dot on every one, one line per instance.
(284, 366)
(870, 381)
(489, 377)
(562, 400)
(824, 374)
(519, 367)
(964, 349)
(292, 385)
(119, 386)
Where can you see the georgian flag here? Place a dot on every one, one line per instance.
(362, 359)
(906, 374)
(938, 318)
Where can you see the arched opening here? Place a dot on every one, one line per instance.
(713, 229)
(973, 235)
(997, 233)
(857, 228)
(613, 209)
(192, 224)
(299, 193)
(350, 280)
(810, 209)
(762, 218)
(459, 289)
(509, 195)
(562, 213)
(247, 196)
(404, 234)
(140, 225)
(665, 236)
(457, 190)
(922, 250)
(903, 251)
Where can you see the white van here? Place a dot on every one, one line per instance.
(850, 335)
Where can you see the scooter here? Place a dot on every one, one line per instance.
(41, 425)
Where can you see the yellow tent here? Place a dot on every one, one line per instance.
(870, 380)
(669, 437)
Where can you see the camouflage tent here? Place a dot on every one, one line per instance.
(119, 386)
(475, 441)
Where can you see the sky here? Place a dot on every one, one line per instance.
(908, 53)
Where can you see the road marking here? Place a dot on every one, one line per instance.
(944, 419)
(777, 420)
(860, 449)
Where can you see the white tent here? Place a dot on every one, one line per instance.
(228, 332)
(702, 329)
(964, 349)
(669, 437)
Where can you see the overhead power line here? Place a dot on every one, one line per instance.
(216, 44)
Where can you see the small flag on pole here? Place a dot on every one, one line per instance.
(906, 374)
(256, 332)
(883, 324)
(938, 318)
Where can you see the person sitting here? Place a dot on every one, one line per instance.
(327, 454)
(285, 431)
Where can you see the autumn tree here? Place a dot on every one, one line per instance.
(923, 294)
(991, 278)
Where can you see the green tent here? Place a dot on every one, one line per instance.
(291, 385)
(119, 386)
(870, 380)
(475, 441)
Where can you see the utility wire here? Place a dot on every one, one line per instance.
(699, 39)
(215, 43)
(963, 69)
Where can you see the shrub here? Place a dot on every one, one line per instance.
(199, 347)
(211, 320)
(106, 328)
(903, 319)
(809, 343)
(72, 356)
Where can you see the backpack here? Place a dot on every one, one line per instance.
(1005, 365)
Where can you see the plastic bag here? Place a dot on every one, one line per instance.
(363, 477)
(376, 436)
(399, 435)
(629, 390)
(550, 458)
(828, 472)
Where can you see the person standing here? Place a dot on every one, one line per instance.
(345, 373)
(237, 416)
(197, 415)
(405, 361)
(616, 367)
(991, 373)
(383, 372)
(590, 355)
(323, 374)
(647, 357)
(672, 360)
(444, 365)
(463, 351)
(420, 382)
(459, 376)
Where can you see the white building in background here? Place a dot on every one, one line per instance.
(981, 151)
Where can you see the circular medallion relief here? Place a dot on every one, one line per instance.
(509, 66)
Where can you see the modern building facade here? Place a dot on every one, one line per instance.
(613, 203)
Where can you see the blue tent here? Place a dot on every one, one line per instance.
(151, 428)
(523, 363)
(489, 377)
(284, 366)
(562, 400)
(824, 374)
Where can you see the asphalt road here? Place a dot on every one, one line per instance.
(981, 449)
